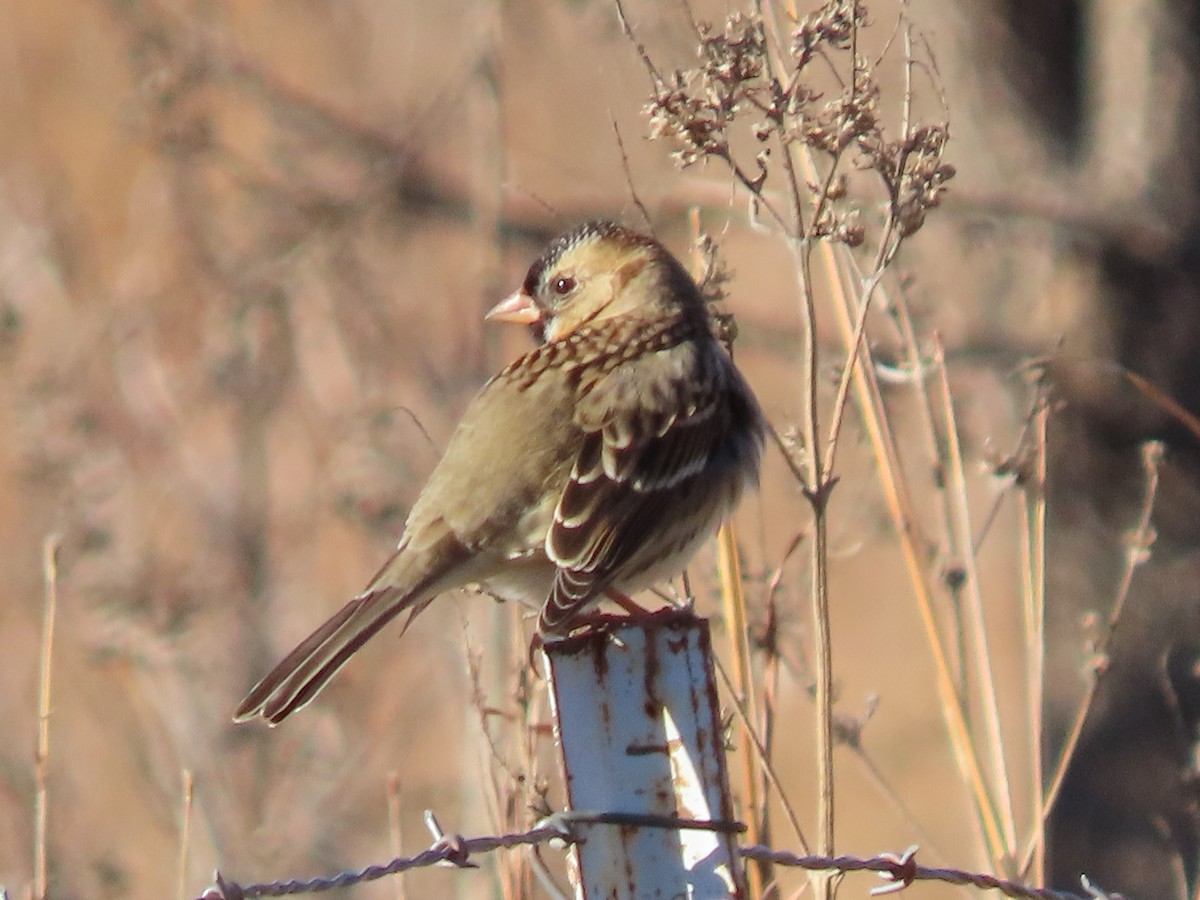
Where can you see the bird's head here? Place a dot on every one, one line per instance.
(598, 271)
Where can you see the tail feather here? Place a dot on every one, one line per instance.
(301, 674)
(407, 581)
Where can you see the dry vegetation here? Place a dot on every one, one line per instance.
(244, 254)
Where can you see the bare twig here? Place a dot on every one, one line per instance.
(394, 832)
(1033, 563)
(763, 759)
(1138, 543)
(633, 194)
(977, 629)
(733, 606)
(185, 835)
(41, 758)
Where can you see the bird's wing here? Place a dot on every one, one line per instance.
(667, 438)
(479, 508)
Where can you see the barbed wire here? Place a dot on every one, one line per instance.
(899, 870)
(454, 850)
(902, 870)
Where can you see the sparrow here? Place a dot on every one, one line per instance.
(595, 465)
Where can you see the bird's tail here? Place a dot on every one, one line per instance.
(407, 582)
(301, 674)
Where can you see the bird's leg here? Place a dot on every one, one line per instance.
(535, 645)
(626, 603)
(586, 620)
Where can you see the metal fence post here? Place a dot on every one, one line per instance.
(638, 721)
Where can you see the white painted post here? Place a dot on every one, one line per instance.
(638, 721)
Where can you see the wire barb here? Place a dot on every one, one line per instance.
(899, 877)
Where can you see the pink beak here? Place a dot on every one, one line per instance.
(518, 308)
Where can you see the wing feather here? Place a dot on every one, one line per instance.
(669, 439)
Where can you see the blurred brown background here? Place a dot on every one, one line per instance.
(244, 254)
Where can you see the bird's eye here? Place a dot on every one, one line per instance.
(563, 285)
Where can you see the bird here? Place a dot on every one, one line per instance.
(595, 465)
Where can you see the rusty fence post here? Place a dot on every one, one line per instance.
(639, 725)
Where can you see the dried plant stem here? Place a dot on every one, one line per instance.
(764, 761)
(977, 629)
(747, 67)
(887, 251)
(817, 490)
(900, 508)
(394, 831)
(185, 836)
(42, 754)
(819, 481)
(1137, 550)
(507, 783)
(1162, 400)
(824, 688)
(888, 792)
(820, 470)
(733, 607)
(918, 370)
(771, 669)
(818, 486)
(1032, 501)
(851, 313)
